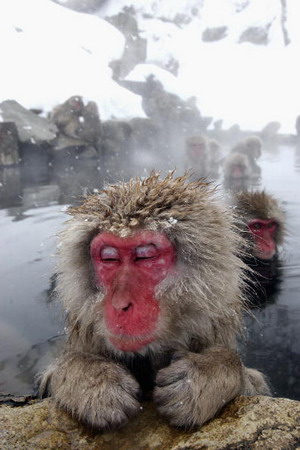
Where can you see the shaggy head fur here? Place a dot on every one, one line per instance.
(202, 303)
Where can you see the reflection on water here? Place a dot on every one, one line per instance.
(273, 331)
(273, 346)
(31, 323)
(264, 283)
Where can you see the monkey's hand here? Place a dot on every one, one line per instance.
(95, 391)
(194, 387)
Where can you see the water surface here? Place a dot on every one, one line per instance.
(31, 323)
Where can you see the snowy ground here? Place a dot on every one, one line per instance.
(49, 53)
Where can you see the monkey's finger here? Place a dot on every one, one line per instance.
(171, 395)
(116, 413)
(106, 420)
(127, 401)
(131, 387)
(165, 377)
(179, 354)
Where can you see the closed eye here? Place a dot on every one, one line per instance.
(140, 258)
(148, 251)
(110, 254)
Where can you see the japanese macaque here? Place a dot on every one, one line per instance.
(237, 167)
(251, 147)
(261, 221)
(197, 156)
(77, 120)
(150, 276)
(263, 218)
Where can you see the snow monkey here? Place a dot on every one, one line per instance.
(151, 281)
(77, 120)
(251, 147)
(262, 216)
(237, 167)
(197, 155)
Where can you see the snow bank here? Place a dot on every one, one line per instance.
(238, 82)
(49, 53)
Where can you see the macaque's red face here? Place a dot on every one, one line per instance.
(129, 269)
(263, 232)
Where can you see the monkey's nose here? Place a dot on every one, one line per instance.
(122, 302)
(126, 308)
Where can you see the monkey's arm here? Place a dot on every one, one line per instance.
(195, 386)
(94, 390)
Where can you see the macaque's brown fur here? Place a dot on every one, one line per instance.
(193, 361)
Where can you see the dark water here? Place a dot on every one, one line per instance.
(273, 341)
(31, 324)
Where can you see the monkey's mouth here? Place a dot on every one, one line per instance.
(266, 255)
(265, 252)
(130, 343)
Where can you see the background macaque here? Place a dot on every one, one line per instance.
(261, 220)
(197, 156)
(237, 167)
(77, 120)
(262, 216)
(251, 147)
(149, 274)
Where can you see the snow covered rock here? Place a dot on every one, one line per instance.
(31, 127)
